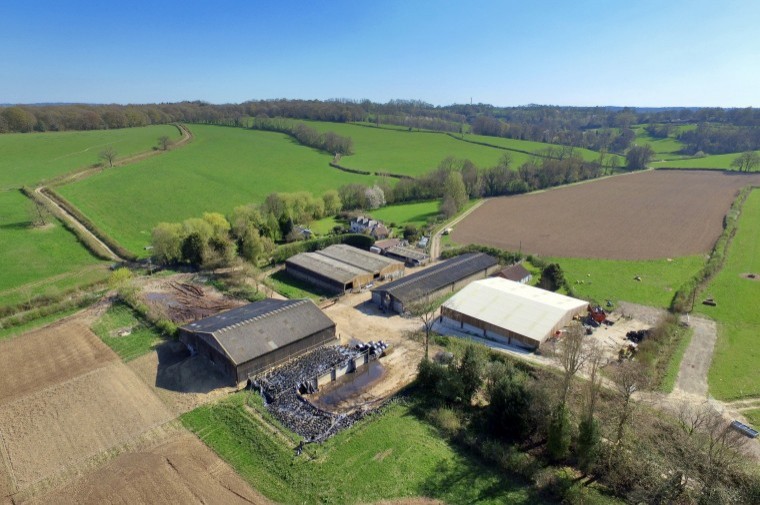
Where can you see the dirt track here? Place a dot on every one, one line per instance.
(181, 470)
(648, 215)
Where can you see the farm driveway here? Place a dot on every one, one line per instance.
(692, 376)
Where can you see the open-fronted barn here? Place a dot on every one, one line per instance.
(381, 267)
(510, 312)
(249, 339)
(434, 282)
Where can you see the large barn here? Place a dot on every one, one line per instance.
(510, 312)
(434, 282)
(257, 336)
(340, 268)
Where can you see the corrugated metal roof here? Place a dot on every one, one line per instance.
(407, 252)
(359, 258)
(519, 308)
(437, 277)
(253, 330)
(515, 272)
(327, 267)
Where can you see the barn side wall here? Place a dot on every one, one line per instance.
(464, 322)
(208, 348)
(315, 278)
(284, 353)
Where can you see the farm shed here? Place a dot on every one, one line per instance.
(412, 257)
(434, 282)
(516, 272)
(380, 266)
(257, 336)
(328, 273)
(510, 312)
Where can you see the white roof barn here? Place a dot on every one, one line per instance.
(510, 312)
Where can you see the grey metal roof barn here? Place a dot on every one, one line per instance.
(341, 268)
(445, 277)
(256, 336)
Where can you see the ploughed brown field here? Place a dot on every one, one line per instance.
(646, 215)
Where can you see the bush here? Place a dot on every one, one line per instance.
(446, 419)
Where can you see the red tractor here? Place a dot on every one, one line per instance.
(597, 313)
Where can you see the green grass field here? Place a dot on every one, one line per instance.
(716, 161)
(674, 365)
(324, 225)
(222, 168)
(31, 255)
(534, 147)
(614, 280)
(408, 153)
(753, 416)
(391, 455)
(290, 287)
(28, 158)
(665, 149)
(120, 317)
(735, 370)
(417, 214)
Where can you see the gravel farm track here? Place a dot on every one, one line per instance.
(638, 216)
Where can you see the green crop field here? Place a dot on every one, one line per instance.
(719, 161)
(28, 158)
(534, 147)
(30, 255)
(408, 153)
(140, 340)
(735, 372)
(417, 214)
(222, 168)
(388, 456)
(602, 280)
(665, 148)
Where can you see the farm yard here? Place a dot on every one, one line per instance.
(735, 372)
(639, 216)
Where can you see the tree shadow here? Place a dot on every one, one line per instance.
(19, 225)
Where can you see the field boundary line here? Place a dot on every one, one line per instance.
(5, 460)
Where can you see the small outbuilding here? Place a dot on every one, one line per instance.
(516, 272)
(249, 339)
(434, 282)
(411, 257)
(510, 312)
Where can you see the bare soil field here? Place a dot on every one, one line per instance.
(180, 470)
(647, 215)
(57, 427)
(181, 300)
(51, 355)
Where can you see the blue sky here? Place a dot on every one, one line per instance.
(573, 52)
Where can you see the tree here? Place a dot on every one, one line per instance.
(589, 436)
(469, 371)
(747, 161)
(552, 277)
(375, 197)
(509, 402)
(455, 191)
(108, 155)
(424, 308)
(194, 249)
(573, 353)
(333, 205)
(558, 440)
(627, 378)
(638, 157)
(164, 142)
(39, 214)
(166, 239)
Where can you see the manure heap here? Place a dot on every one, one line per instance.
(282, 387)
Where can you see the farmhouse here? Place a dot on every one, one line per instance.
(516, 272)
(434, 282)
(341, 268)
(412, 257)
(374, 228)
(257, 336)
(510, 312)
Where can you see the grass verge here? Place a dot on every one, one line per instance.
(141, 337)
(290, 287)
(674, 364)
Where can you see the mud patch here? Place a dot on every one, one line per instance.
(750, 276)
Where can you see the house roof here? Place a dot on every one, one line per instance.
(522, 309)
(437, 277)
(407, 252)
(359, 258)
(253, 330)
(327, 267)
(515, 272)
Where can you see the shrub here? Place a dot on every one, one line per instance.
(446, 419)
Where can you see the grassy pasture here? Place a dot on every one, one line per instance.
(534, 147)
(601, 280)
(391, 455)
(665, 148)
(28, 158)
(717, 161)
(29, 255)
(409, 213)
(753, 416)
(735, 372)
(141, 339)
(404, 152)
(222, 168)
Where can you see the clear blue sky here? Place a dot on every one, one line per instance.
(566, 52)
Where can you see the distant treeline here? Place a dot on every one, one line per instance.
(597, 128)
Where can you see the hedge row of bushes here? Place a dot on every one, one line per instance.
(682, 300)
(71, 209)
(285, 251)
(27, 316)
